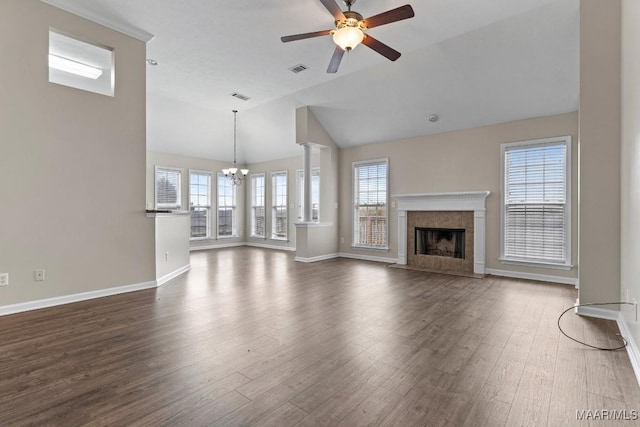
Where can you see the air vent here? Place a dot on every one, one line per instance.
(298, 68)
(240, 96)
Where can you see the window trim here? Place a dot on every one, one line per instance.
(354, 165)
(178, 206)
(252, 206)
(566, 140)
(210, 195)
(273, 206)
(234, 227)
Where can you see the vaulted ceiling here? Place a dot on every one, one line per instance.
(472, 63)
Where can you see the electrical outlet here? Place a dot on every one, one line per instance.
(4, 279)
(39, 275)
(166, 256)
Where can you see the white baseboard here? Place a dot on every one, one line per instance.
(533, 276)
(316, 258)
(598, 312)
(368, 258)
(266, 246)
(67, 299)
(217, 246)
(164, 279)
(632, 348)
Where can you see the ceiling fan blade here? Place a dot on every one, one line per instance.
(393, 15)
(305, 36)
(334, 9)
(335, 60)
(381, 48)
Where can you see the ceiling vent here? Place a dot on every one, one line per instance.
(298, 68)
(240, 96)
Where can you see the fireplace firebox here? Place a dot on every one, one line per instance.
(445, 242)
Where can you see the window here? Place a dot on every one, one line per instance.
(79, 64)
(370, 181)
(315, 195)
(226, 207)
(536, 201)
(279, 223)
(257, 205)
(200, 204)
(168, 194)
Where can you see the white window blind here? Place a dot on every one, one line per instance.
(535, 202)
(200, 203)
(258, 205)
(370, 200)
(226, 207)
(279, 222)
(168, 195)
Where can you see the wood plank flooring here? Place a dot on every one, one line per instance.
(250, 337)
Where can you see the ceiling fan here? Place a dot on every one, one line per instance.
(349, 31)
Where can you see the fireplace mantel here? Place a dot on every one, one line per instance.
(458, 201)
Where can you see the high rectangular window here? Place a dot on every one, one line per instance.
(279, 216)
(536, 201)
(370, 215)
(226, 207)
(200, 204)
(168, 191)
(315, 195)
(258, 217)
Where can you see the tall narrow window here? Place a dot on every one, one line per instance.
(168, 194)
(315, 195)
(370, 181)
(279, 223)
(200, 204)
(257, 205)
(226, 207)
(536, 202)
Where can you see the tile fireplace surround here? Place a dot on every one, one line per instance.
(460, 201)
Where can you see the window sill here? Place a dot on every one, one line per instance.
(227, 237)
(537, 264)
(258, 237)
(371, 248)
(197, 239)
(280, 239)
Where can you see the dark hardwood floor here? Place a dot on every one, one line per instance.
(250, 337)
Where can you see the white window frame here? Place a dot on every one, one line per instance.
(207, 206)
(566, 265)
(274, 207)
(354, 206)
(177, 205)
(254, 206)
(234, 210)
(300, 192)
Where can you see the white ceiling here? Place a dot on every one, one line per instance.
(473, 63)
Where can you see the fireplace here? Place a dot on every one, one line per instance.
(456, 210)
(445, 242)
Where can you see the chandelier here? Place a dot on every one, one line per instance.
(232, 172)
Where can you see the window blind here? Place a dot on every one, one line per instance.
(535, 220)
(168, 188)
(370, 197)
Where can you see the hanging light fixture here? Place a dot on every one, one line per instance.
(232, 172)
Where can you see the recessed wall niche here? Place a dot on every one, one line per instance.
(80, 64)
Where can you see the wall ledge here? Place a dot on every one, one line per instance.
(533, 276)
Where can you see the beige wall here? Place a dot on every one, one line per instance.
(71, 164)
(630, 232)
(599, 148)
(466, 160)
(185, 163)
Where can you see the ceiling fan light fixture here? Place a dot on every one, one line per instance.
(348, 37)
